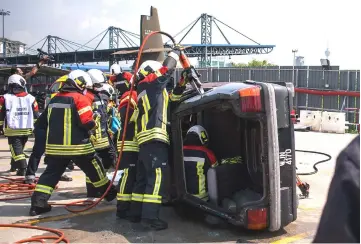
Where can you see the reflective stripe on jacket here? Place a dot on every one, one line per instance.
(68, 118)
(197, 161)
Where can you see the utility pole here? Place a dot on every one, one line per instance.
(4, 13)
(294, 51)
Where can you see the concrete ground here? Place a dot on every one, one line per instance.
(100, 225)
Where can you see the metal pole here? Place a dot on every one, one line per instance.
(3, 13)
(4, 43)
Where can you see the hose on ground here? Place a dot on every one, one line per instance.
(16, 186)
(60, 237)
(315, 169)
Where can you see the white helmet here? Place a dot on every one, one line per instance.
(201, 132)
(115, 69)
(108, 89)
(97, 76)
(17, 79)
(80, 79)
(146, 68)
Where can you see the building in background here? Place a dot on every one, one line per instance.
(13, 48)
(300, 61)
(217, 62)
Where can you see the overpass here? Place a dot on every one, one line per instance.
(126, 43)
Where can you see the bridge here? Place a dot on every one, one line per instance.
(126, 43)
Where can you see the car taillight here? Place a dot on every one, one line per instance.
(257, 219)
(250, 99)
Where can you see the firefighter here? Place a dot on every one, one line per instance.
(122, 85)
(197, 160)
(130, 150)
(152, 136)
(70, 125)
(18, 112)
(37, 153)
(101, 142)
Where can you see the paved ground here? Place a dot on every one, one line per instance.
(100, 224)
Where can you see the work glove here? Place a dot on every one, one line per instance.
(1, 130)
(189, 75)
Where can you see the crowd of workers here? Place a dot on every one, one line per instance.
(82, 125)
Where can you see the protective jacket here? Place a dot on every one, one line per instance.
(130, 142)
(99, 105)
(18, 112)
(68, 120)
(197, 161)
(153, 100)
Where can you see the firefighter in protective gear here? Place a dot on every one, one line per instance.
(18, 112)
(68, 120)
(101, 141)
(37, 153)
(152, 136)
(129, 156)
(197, 160)
(122, 84)
(115, 70)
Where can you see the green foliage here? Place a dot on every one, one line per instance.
(253, 63)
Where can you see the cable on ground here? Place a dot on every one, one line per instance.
(317, 163)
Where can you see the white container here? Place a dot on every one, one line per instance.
(311, 118)
(333, 122)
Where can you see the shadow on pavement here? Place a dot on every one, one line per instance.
(106, 228)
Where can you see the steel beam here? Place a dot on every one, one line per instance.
(206, 39)
(106, 55)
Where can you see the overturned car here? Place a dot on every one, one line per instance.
(250, 122)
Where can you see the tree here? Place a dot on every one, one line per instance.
(253, 63)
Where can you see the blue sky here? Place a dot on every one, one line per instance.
(304, 25)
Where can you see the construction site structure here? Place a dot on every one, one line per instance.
(13, 48)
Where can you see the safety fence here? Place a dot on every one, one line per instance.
(333, 90)
(338, 84)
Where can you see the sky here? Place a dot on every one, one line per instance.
(309, 26)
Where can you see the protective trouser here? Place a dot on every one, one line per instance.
(126, 183)
(56, 166)
(149, 188)
(17, 144)
(38, 151)
(106, 158)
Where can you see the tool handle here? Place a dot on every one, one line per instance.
(196, 83)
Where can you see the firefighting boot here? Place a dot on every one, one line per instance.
(37, 210)
(154, 224)
(112, 194)
(39, 203)
(123, 212)
(92, 192)
(12, 166)
(64, 177)
(21, 172)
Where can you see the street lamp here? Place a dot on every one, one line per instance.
(4, 13)
(294, 51)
